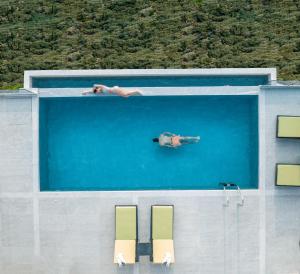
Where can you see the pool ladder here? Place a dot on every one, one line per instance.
(229, 186)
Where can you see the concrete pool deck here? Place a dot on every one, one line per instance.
(73, 232)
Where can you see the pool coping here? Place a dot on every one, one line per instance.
(30, 74)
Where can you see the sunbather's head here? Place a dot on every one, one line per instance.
(97, 90)
(155, 140)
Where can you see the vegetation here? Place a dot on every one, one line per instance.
(90, 34)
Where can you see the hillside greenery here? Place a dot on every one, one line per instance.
(93, 34)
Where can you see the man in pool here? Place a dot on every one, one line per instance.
(101, 89)
(168, 139)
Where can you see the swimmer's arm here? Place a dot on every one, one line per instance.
(177, 145)
(169, 134)
(169, 146)
(166, 145)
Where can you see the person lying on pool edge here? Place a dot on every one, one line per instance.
(101, 89)
(168, 139)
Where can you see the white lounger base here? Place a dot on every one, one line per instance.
(127, 249)
(160, 249)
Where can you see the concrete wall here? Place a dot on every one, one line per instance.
(70, 233)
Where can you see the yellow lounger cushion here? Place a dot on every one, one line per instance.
(288, 175)
(160, 249)
(127, 249)
(162, 222)
(288, 127)
(126, 222)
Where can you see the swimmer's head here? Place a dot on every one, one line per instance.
(155, 140)
(95, 90)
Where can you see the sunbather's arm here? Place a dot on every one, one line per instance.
(85, 92)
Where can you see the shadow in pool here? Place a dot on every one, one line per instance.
(171, 152)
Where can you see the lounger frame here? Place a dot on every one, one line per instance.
(277, 127)
(151, 240)
(137, 232)
(276, 174)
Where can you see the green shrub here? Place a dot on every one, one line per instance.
(58, 34)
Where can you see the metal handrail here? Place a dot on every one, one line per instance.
(227, 186)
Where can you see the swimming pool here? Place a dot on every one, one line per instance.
(151, 81)
(105, 143)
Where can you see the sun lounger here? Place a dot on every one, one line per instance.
(162, 234)
(288, 126)
(126, 235)
(288, 175)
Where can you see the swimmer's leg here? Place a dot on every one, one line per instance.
(189, 140)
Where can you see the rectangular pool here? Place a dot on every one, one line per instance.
(105, 143)
(150, 81)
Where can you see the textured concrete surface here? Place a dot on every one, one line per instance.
(283, 101)
(15, 145)
(73, 233)
(283, 234)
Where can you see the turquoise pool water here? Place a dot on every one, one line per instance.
(150, 81)
(105, 143)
